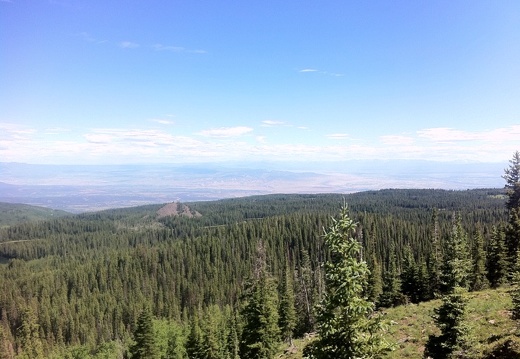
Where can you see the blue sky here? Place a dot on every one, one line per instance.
(108, 82)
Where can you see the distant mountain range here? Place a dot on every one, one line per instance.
(80, 188)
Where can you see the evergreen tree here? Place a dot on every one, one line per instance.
(478, 275)
(375, 282)
(515, 290)
(260, 334)
(512, 177)
(392, 295)
(194, 344)
(144, 337)
(512, 187)
(287, 312)
(347, 324)
(449, 318)
(29, 334)
(410, 285)
(434, 261)
(455, 269)
(496, 259)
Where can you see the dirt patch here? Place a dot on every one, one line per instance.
(176, 209)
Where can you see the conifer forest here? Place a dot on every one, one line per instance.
(246, 277)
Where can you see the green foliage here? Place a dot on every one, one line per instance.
(496, 259)
(145, 346)
(479, 280)
(347, 324)
(29, 334)
(87, 277)
(260, 333)
(287, 312)
(450, 319)
(512, 177)
(456, 265)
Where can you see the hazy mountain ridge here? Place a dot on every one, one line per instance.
(88, 188)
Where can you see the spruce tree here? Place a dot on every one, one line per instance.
(391, 295)
(515, 290)
(496, 259)
(287, 312)
(410, 285)
(456, 265)
(347, 324)
(512, 187)
(434, 261)
(478, 275)
(29, 334)
(450, 319)
(260, 334)
(144, 337)
(512, 177)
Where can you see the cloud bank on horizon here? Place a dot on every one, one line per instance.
(108, 83)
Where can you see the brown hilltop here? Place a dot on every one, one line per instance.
(176, 209)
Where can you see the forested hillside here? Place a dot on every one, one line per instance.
(232, 278)
(14, 213)
(82, 281)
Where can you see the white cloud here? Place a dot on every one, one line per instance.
(161, 47)
(223, 132)
(271, 123)
(396, 140)
(308, 70)
(161, 121)
(128, 45)
(338, 136)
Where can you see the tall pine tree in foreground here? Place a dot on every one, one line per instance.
(347, 325)
(260, 334)
(450, 316)
(512, 187)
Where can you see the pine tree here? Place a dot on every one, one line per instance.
(287, 312)
(194, 345)
(449, 318)
(410, 285)
(478, 275)
(260, 334)
(515, 290)
(456, 265)
(434, 260)
(144, 337)
(347, 324)
(375, 281)
(29, 334)
(391, 295)
(512, 177)
(496, 259)
(512, 187)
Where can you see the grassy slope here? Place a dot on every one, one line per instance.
(487, 316)
(12, 213)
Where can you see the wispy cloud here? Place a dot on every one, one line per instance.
(396, 140)
(128, 45)
(89, 38)
(338, 136)
(311, 70)
(161, 47)
(162, 121)
(224, 132)
(272, 123)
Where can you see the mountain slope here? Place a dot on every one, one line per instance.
(15, 213)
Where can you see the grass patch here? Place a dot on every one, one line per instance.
(487, 315)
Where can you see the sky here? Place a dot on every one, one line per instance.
(118, 82)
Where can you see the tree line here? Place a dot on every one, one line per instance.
(242, 278)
